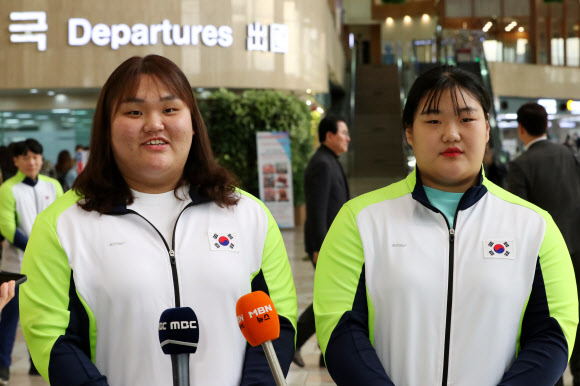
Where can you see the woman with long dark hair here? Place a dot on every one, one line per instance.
(7, 167)
(65, 173)
(152, 223)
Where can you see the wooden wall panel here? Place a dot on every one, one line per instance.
(312, 44)
(513, 79)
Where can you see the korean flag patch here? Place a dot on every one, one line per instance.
(223, 241)
(499, 249)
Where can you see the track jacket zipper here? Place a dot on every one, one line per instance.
(449, 295)
(469, 197)
(170, 251)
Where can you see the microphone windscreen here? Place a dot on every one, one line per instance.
(178, 331)
(257, 318)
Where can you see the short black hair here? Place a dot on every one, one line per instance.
(434, 82)
(328, 124)
(23, 147)
(534, 118)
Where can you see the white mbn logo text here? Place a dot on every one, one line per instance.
(260, 311)
(178, 325)
(24, 32)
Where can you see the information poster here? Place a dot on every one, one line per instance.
(275, 174)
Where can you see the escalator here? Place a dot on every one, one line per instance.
(461, 48)
(380, 93)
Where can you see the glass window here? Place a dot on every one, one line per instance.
(56, 129)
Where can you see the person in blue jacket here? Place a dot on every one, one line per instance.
(444, 278)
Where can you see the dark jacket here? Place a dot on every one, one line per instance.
(326, 190)
(548, 175)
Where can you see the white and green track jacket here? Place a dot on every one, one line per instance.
(97, 285)
(402, 297)
(21, 200)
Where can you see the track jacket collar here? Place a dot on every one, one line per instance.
(27, 180)
(196, 199)
(470, 197)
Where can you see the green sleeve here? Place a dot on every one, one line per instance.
(559, 282)
(45, 296)
(8, 216)
(276, 270)
(557, 272)
(338, 272)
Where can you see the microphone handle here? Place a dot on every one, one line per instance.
(180, 366)
(274, 364)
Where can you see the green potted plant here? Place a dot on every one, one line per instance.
(233, 119)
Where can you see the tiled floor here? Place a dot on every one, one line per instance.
(303, 272)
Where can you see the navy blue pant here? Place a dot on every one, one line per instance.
(8, 323)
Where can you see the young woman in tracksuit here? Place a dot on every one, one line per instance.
(444, 278)
(152, 223)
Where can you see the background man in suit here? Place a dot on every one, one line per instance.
(326, 190)
(548, 175)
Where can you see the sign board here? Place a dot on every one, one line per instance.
(275, 175)
(32, 27)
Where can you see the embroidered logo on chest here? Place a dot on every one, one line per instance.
(223, 241)
(499, 249)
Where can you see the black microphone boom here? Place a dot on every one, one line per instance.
(179, 336)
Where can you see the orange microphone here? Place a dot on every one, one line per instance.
(259, 323)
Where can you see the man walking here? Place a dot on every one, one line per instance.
(326, 190)
(548, 175)
(22, 198)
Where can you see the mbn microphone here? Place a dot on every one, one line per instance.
(259, 323)
(178, 336)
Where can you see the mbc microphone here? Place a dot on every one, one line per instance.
(259, 323)
(179, 335)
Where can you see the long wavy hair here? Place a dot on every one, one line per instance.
(101, 183)
(64, 162)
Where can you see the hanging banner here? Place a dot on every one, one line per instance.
(275, 175)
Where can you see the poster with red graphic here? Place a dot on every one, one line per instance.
(275, 174)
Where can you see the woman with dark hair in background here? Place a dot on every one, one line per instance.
(7, 167)
(65, 173)
(445, 278)
(153, 222)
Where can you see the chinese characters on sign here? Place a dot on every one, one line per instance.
(258, 38)
(26, 32)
